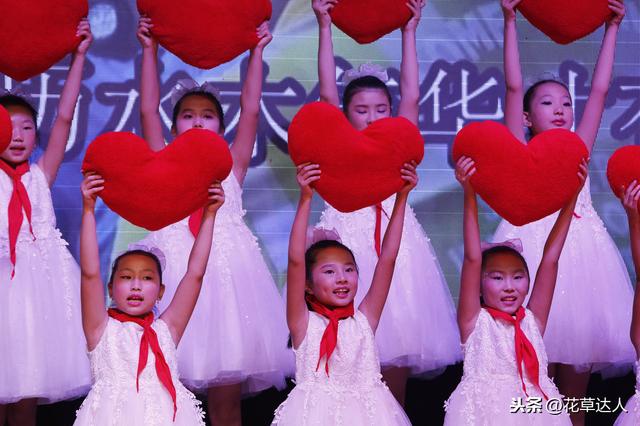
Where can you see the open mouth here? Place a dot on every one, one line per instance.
(135, 300)
(341, 292)
(509, 299)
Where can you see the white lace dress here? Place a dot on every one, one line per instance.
(631, 414)
(491, 381)
(353, 394)
(42, 346)
(114, 400)
(593, 296)
(238, 332)
(418, 325)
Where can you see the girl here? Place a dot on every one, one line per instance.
(417, 330)
(236, 342)
(579, 343)
(631, 195)
(337, 368)
(42, 355)
(493, 285)
(127, 388)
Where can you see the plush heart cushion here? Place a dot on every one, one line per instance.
(565, 21)
(359, 169)
(5, 129)
(206, 33)
(155, 189)
(522, 183)
(366, 21)
(623, 168)
(37, 34)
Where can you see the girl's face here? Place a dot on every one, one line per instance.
(505, 283)
(136, 287)
(335, 277)
(550, 108)
(197, 112)
(23, 138)
(367, 106)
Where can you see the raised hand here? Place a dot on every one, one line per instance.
(143, 33)
(307, 173)
(416, 7)
(216, 198)
(84, 31)
(322, 8)
(618, 9)
(410, 176)
(465, 168)
(91, 186)
(509, 9)
(264, 35)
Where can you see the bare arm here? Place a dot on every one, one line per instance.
(242, 146)
(469, 299)
(297, 312)
(94, 314)
(630, 199)
(150, 87)
(513, 114)
(409, 78)
(54, 154)
(184, 300)
(590, 122)
(545, 284)
(326, 60)
(373, 302)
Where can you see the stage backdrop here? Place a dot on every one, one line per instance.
(460, 56)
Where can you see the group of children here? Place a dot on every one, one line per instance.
(213, 321)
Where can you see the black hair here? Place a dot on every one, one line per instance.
(531, 91)
(363, 83)
(311, 255)
(205, 95)
(11, 100)
(503, 249)
(150, 255)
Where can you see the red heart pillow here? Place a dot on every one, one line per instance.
(565, 21)
(155, 189)
(623, 168)
(206, 33)
(366, 21)
(359, 169)
(6, 129)
(522, 183)
(37, 34)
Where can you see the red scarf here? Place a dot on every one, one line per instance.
(377, 237)
(18, 202)
(149, 339)
(195, 220)
(525, 352)
(330, 335)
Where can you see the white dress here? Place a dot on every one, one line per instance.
(491, 381)
(418, 324)
(593, 296)
(114, 400)
(238, 332)
(631, 414)
(353, 394)
(42, 346)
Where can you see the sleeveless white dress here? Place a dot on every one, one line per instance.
(593, 296)
(42, 346)
(418, 325)
(353, 394)
(491, 381)
(238, 331)
(114, 400)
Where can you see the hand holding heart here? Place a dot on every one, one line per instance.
(623, 168)
(631, 200)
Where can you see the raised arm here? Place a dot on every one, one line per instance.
(630, 199)
(374, 300)
(513, 112)
(326, 60)
(545, 284)
(469, 299)
(184, 300)
(149, 87)
(242, 146)
(54, 154)
(590, 121)
(409, 78)
(297, 312)
(94, 314)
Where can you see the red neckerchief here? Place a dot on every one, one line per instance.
(149, 339)
(18, 202)
(525, 352)
(195, 219)
(330, 335)
(377, 237)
